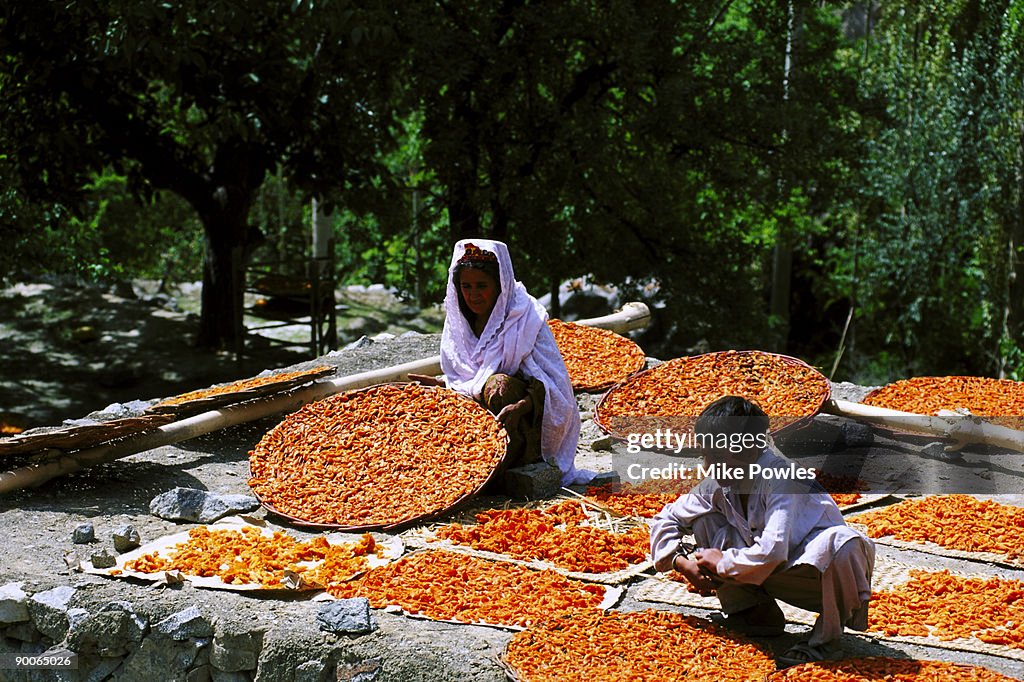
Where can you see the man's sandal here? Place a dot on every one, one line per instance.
(803, 652)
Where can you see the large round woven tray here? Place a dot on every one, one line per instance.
(997, 400)
(873, 668)
(377, 458)
(674, 393)
(596, 358)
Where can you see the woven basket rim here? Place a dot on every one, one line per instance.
(602, 332)
(798, 422)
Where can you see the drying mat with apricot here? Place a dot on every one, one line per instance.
(889, 577)
(1000, 401)
(629, 647)
(243, 554)
(877, 669)
(673, 394)
(467, 590)
(568, 537)
(958, 526)
(238, 391)
(82, 435)
(596, 358)
(377, 458)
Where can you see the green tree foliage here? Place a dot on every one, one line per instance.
(937, 234)
(200, 99)
(636, 141)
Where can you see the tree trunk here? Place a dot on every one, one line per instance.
(228, 243)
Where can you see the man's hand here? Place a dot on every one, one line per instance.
(707, 561)
(704, 584)
(510, 415)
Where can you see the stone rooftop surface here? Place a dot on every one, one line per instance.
(124, 630)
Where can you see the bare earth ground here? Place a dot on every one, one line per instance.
(278, 639)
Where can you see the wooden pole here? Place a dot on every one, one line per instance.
(960, 428)
(632, 316)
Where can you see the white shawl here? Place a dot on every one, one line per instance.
(516, 340)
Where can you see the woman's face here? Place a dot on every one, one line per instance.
(479, 291)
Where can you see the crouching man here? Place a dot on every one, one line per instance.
(765, 537)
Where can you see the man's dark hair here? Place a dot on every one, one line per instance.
(731, 415)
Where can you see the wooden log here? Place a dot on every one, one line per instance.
(960, 428)
(632, 316)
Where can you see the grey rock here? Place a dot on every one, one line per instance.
(605, 478)
(202, 673)
(235, 651)
(857, 434)
(126, 538)
(189, 504)
(185, 624)
(821, 435)
(76, 617)
(409, 334)
(346, 616)
(533, 481)
(23, 632)
(49, 611)
(114, 631)
(13, 604)
(158, 659)
(359, 671)
(103, 559)
(310, 671)
(221, 676)
(84, 533)
(104, 669)
(361, 342)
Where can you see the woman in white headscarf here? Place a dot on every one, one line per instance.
(496, 347)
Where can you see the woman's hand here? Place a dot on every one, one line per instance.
(691, 570)
(510, 415)
(427, 380)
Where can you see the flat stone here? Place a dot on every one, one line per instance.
(126, 538)
(346, 616)
(49, 611)
(184, 625)
(533, 481)
(83, 534)
(13, 604)
(200, 506)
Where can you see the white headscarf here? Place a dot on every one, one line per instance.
(516, 340)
